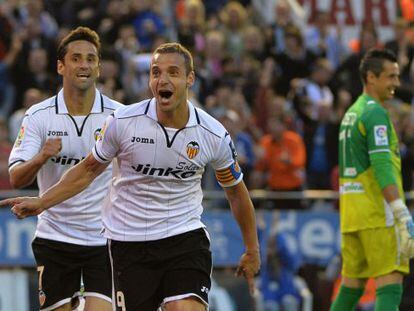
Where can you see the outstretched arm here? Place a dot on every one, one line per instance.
(243, 211)
(74, 181)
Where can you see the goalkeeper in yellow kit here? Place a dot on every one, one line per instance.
(376, 227)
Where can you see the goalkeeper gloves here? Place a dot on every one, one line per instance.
(405, 226)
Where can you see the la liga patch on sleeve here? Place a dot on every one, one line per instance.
(380, 134)
(19, 138)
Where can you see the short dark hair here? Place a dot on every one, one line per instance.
(373, 61)
(174, 47)
(80, 33)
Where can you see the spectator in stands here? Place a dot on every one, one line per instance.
(282, 163)
(134, 65)
(234, 20)
(8, 89)
(34, 10)
(214, 54)
(220, 299)
(36, 75)
(342, 102)
(295, 62)
(264, 95)
(407, 10)
(214, 6)
(116, 16)
(192, 25)
(279, 14)
(30, 97)
(321, 140)
(314, 105)
(211, 69)
(242, 141)
(80, 12)
(247, 78)
(135, 79)
(6, 29)
(109, 79)
(253, 43)
(33, 38)
(314, 91)
(401, 116)
(278, 279)
(148, 24)
(324, 42)
(215, 104)
(403, 48)
(5, 149)
(347, 74)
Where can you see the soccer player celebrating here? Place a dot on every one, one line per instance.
(376, 226)
(55, 135)
(158, 245)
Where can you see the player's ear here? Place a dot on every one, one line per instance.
(371, 76)
(60, 67)
(99, 70)
(190, 79)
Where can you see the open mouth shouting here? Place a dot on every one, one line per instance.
(165, 95)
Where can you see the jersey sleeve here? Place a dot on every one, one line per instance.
(378, 132)
(28, 142)
(107, 145)
(228, 172)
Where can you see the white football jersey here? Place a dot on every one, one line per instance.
(157, 192)
(78, 219)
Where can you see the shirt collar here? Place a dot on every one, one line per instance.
(151, 111)
(61, 108)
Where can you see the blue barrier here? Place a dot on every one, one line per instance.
(314, 235)
(15, 238)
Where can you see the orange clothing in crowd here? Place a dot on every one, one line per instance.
(407, 9)
(283, 175)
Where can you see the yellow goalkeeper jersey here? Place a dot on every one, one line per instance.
(369, 160)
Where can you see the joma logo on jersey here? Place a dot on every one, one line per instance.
(142, 140)
(178, 173)
(57, 133)
(64, 160)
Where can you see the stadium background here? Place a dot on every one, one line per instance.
(258, 63)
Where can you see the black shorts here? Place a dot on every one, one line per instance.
(147, 274)
(60, 267)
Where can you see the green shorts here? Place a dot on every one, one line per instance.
(372, 253)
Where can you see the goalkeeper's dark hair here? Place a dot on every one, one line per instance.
(80, 33)
(373, 61)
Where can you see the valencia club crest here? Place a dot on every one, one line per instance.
(192, 149)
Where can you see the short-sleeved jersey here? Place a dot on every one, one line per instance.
(366, 131)
(78, 219)
(157, 192)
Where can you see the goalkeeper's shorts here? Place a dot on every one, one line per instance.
(371, 253)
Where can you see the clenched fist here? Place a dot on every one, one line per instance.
(51, 148)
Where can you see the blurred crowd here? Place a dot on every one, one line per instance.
(278, 81)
